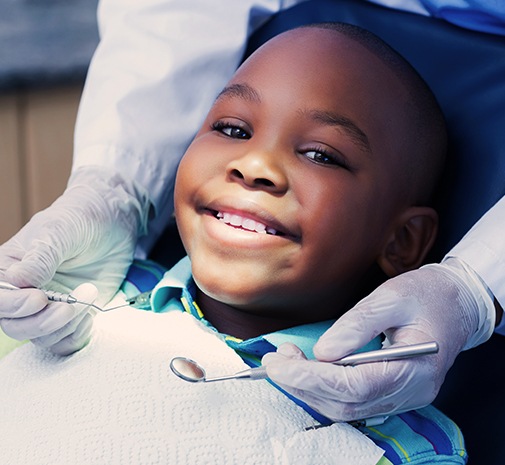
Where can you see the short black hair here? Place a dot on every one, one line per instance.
(425, 166)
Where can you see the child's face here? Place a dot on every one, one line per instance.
(287, 194)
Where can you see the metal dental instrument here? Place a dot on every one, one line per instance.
(191, 371)
(140, 301)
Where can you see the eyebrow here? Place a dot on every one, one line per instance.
(340, 121)
(243, 91)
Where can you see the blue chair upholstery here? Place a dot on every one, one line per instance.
(466, 71)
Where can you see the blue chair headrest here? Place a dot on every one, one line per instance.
(466, 72)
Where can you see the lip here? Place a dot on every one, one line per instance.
(223, 209)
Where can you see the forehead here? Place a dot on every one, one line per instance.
(321, 69)
(319, 57)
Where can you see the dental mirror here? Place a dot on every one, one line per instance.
(191, 371)
(187, 369)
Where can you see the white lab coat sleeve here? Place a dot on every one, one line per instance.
(156, 71)
(483, 249)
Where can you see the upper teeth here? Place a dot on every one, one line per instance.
(246, 223)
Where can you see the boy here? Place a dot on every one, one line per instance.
(307, 182)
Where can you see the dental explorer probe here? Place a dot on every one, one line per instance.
(55, 296)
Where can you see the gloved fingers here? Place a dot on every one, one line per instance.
(106, 275)
(321, 379)
(37, 266)
(72, 337)
(21, 303)
(353, 392)
(77, 340)
(51, 318)
(410, 334)
(291, 351)
(360, 383)
(361, 324)
(329, 404)
(48, 340)
(10, 253)
(86, 292)
(344, 411)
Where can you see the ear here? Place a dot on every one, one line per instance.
(412, 237)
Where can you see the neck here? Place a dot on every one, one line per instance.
(246, 323)
(241, 323)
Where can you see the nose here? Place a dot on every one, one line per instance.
(259, 170)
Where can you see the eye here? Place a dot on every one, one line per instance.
(322, 156)
(231, 130)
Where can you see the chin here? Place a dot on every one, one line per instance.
(228, 293)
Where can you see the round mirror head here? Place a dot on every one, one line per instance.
(187, 369)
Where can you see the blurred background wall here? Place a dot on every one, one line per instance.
(45, 50)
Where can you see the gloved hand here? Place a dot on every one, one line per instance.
(44, 328)
(446, 303)
(87, 235)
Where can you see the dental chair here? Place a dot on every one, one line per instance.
(466, 71)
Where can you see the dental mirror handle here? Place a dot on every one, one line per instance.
(381, 355)
(251, 373)
(392, 353)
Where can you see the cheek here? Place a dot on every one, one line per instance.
(332, 209)
(341, 233)
(197, 166)
(184, 178)
(185, 192)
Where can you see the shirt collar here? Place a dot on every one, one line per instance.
(177, 286)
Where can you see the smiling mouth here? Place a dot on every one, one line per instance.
(245, 223)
